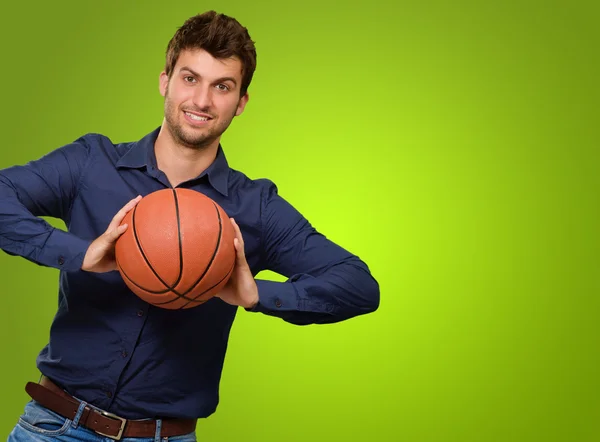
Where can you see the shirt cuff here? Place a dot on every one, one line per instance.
(65, 251)
(275, 296)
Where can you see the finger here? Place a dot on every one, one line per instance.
(126, 208)
(121, 213)
(116, 233)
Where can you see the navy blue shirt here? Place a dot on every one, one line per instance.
(115, 351)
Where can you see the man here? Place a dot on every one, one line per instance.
(115, 366)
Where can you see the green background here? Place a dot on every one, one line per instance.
(451, 145)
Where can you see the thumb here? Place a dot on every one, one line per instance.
(240, 256)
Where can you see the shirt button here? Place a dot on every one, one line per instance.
(140, 313)
(277, 303)
(109, 394)
(61, 260)
(124, 353)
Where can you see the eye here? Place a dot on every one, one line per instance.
(222, 87)
(189, 79)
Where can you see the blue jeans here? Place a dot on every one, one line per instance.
(38, 424)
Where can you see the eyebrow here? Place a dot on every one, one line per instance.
(218, 80)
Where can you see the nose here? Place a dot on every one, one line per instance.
(202, 96)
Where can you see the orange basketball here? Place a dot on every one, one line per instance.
(177, 251)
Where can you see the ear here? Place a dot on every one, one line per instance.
(163, 82)
(242, 104)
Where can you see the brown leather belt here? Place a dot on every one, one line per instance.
(51, 396)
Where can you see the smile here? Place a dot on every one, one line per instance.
(197, 117)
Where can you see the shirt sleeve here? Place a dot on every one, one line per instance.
(325, 284)
(44, 187)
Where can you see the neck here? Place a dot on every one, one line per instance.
(181, 163)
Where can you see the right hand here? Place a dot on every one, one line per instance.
(100, 255)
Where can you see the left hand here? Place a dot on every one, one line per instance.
(241, 289)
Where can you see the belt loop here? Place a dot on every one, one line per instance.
(80, 410)
(158, 429)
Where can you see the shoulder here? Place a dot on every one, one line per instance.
(93, 139)
(264, 194)
(103, 150)
(97, 141)
(241, 182)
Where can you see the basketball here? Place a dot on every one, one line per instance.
(177, 251)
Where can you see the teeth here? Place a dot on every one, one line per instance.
(196, 117)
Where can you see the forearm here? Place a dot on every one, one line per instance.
(345, 290)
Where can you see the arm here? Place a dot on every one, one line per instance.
(326, 283)
(44, 187)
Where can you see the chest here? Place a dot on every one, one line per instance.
(101, 196)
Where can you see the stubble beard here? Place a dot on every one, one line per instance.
(193, 138)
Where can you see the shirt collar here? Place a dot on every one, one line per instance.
(141, 154)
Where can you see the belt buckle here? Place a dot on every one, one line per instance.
(121, 428)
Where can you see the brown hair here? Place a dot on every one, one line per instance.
(219, 35)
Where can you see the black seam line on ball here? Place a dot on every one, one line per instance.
(172, 288)
(212, 259)
(137, 240)
(202, 301)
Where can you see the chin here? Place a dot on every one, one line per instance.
(197, 142)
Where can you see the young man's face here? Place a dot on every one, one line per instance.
(201, 97)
